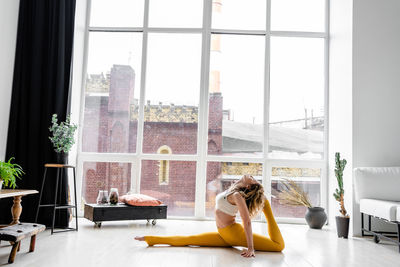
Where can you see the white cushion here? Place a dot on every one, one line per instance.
(389, 210)
(377, 183)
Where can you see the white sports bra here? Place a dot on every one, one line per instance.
(222, 204)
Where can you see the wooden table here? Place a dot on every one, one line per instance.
(17, 194)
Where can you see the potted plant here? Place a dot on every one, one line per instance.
(9, 173)
(294, 195)
(342, 221)
(62, 137)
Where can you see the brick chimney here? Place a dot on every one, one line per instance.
(122, 85)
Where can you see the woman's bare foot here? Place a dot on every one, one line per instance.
(139, 238)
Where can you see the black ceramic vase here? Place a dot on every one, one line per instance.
(316, 217)
(62, 158)
(342, 226)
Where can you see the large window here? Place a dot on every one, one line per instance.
(183, 97)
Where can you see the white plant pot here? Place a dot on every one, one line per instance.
(1, 184)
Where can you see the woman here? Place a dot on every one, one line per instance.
(247, 197)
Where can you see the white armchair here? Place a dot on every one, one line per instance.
(377, 190)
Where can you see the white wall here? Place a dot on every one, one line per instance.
(376, 86)
(8, 34)
(364, 91)
(340, 99)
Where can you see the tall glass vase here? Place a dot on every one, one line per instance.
(102, 197)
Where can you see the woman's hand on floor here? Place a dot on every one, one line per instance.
(139, 238)
(247, 253)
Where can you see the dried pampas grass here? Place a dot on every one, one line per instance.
(293, 195)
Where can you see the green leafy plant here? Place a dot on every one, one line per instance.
(339, 192)
(293, 195)
(10, 172)
(62, 134)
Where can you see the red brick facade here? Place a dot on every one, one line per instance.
(109, 127)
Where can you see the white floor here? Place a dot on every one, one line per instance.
(113, 245)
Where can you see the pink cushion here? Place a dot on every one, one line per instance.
(139, 200)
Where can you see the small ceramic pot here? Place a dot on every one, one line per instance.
(316, 217)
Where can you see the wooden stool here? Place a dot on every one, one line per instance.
(15, 233)
(56, 206)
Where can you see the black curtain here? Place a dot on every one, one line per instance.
(41, 86)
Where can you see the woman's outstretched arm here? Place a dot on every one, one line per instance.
(244, 213)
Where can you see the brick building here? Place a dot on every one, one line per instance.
(110, 126)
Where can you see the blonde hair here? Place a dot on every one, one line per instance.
(254, 196)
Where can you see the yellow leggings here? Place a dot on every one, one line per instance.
(232, 235)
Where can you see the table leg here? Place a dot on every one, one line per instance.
(11, 258)
(16, 210)
(32, 245)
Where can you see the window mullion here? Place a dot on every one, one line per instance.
(115, 29)
(298, 34)
(267, 166)
(202, 137)
(238, 32)
(136, 178)
(324, 176)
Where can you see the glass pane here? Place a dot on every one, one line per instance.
(297, 98)
(112, 92)
(307, 178)
(295, 15)
(172, 93)
(221, 175)
(172, 182)
(103, 176)
(176, 13)
(117, 13)
(239, 14)
(236, 95)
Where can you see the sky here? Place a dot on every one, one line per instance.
(174, 60)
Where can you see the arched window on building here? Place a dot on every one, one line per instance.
(163, 171)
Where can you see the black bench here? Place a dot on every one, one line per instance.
(15, 233)
(102, 213)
